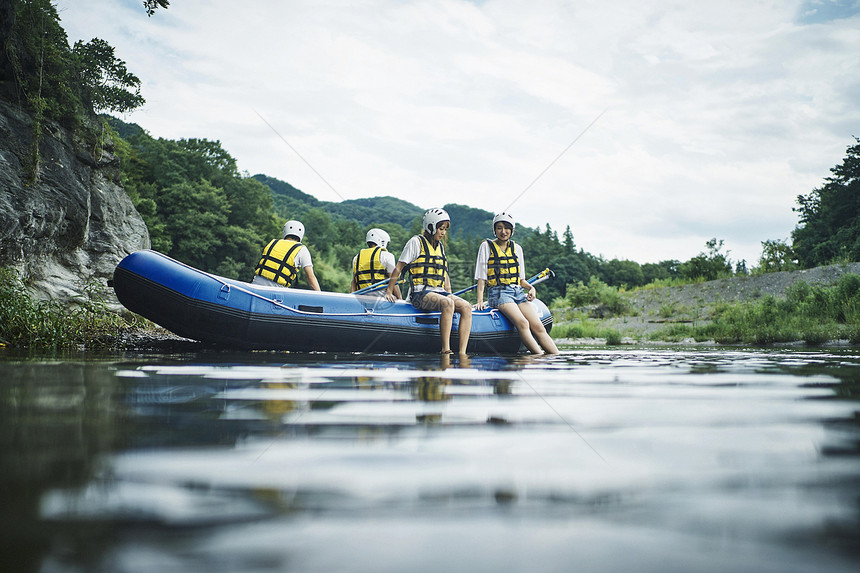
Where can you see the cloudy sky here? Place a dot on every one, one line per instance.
(648, 127)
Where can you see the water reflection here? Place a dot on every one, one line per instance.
(607, 458)
(56, 419)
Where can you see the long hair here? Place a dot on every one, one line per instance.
(432, 239)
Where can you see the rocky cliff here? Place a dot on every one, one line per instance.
(75, 224)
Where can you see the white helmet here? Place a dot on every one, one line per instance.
(504, 218)
(378, 237)
(294, 228)
(432, 218)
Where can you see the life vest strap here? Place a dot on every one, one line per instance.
(429, 268)
(503, 268)
(276, 266)
(365, 272)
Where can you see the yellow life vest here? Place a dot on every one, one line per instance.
(430, 266)
(278, 262)
(503, 268)
(368, 268)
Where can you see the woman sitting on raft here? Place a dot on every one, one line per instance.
(501, 268)
(430, 284)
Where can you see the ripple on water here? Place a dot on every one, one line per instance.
(707, 460)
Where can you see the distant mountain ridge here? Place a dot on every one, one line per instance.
(283, 189)
(467, 222)
(291, 202)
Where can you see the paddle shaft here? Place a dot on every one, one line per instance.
(537, 279)
(376, 286)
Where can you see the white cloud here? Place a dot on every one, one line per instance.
(718, 113)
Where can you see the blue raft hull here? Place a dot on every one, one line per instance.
(212, 309)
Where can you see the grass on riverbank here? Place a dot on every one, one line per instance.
(813, 314)
(586, 328)
(85, 323)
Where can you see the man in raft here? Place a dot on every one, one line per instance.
(282, 258)
(373, 264)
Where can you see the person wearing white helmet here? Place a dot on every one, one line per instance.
(374, 263)
(501, 268)
(282, 258)
(430, 285)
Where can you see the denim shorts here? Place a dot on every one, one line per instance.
(432, 304)
(505, 294)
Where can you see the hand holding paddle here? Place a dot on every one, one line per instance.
(537, 279)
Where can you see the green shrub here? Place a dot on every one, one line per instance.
(816, 334)
(813, 313)
(612, 336)
(673, 333)
(28, 323)
(585, 329)
(667, 310)
(852, 333)
(568, 330)
(596, 292)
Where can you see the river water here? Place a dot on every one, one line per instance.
(600, 459)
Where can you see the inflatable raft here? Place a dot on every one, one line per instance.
(229, 313)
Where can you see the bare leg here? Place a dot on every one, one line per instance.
(515, 315)
(540, 334)
(446, 318)
(465, 328)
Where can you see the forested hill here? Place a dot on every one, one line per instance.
(469, 222)
(201, 210)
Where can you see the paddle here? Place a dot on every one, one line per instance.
(544, 275)
(376, 286)
(537, 279)
(382, 284)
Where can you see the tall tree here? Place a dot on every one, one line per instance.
(197, 207)
(622, 273)
(668, 269)
(105, 83)
(55, 81)
(569, 245)
(709, 266)
(829, 227)
(38, 53)
(776, 255)
(7, 24)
